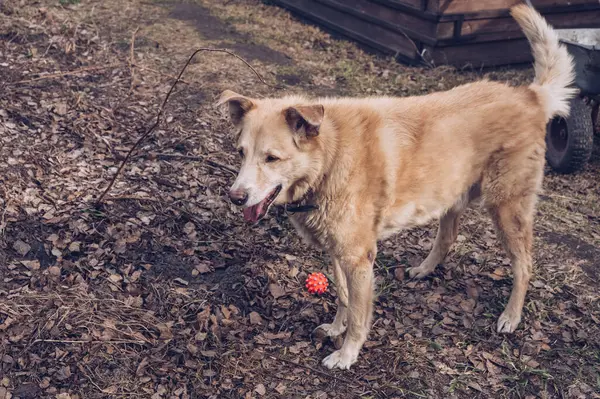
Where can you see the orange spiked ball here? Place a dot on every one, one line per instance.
(316, 283)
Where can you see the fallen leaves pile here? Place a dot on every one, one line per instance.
(164, 291)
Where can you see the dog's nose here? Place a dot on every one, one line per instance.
(238, 197)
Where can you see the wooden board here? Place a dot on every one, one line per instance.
(393, 27)
(416, 4)
(583, 19)
(481, 55)
(364, 32)
(403, 6)
(446, 7)
(418, 28)
(491, 29)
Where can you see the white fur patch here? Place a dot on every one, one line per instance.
(409, 215)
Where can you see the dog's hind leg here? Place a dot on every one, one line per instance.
(358, 269)
(514, 221)
(446, 235)
(338, 326)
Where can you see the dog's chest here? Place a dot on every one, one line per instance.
(312, 227)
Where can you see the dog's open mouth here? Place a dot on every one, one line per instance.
(256, 212)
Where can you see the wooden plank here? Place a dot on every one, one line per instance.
(468, 6)
(479, 6)
(366, 33)
(405, 23)
(421, 12)
(448, 30)
(481, 55)
(485, 29)
(487, 38)
(416, 4)
(559, 3)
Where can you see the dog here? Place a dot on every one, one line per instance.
(361, 169)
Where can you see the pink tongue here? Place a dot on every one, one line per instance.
(253, 213)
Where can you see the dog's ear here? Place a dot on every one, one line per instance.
(305, 120)
(238, 105)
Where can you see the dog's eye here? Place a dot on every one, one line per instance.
(241, 152)
(299, 124)
(271, 158)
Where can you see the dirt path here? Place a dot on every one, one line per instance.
(164, 292)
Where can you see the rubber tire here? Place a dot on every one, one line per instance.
(580, 140)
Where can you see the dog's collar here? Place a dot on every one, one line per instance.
(297, 208)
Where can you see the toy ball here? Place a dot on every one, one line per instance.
(316, 283)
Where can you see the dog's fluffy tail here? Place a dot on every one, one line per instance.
(553, 64)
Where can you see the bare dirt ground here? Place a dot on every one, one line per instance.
(164, 292)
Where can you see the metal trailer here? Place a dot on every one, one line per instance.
(570, 141)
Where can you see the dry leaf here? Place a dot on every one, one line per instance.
(492, 368)
(276, 290)
(475, 386)
(255, 318)
(209, 373)
(193, 349)
(203, 268)
(60, 109)
(75, 246)
(399, 273)
(181, 281)
(31, 264)
(280, 388)
(260, 389)
(165, 331)
(120, 247)
(111, 390)
(293, 272)
(498, 274)
(21, 247)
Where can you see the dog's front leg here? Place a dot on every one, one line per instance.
(358, 271)
(339, 324)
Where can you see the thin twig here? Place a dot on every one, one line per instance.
(60, 341)
(195, 158)
(132, 67)
(3, 223)
(68, 73)
(314, 370)
(162, 108)
(133, 198)
(132, 59)
(90, 378)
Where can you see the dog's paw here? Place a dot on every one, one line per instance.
(329, 330)
(422, 271)
(340, 359)
(508, 321)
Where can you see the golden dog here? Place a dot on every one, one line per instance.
(365, 168)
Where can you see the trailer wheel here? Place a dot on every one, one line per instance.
(570, 141)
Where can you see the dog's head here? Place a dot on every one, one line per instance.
(281, 151)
